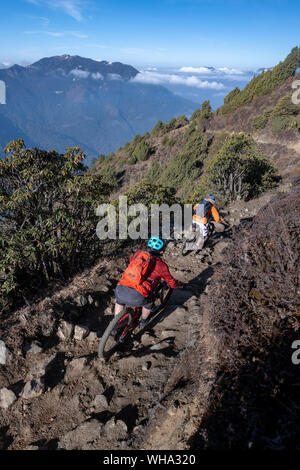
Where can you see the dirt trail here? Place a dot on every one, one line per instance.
(65, 398)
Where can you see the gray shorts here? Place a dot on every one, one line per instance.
(132, 298)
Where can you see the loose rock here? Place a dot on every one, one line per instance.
(7, 397)
(116, 429)
(81, 332)
(167, 334)
(159, 346)
(34, 388)
(100, 402)
(75, 368)
(34, 348)
(147, 340)
(92, 336)
(3, 353)
(65, 330)
(82, 437)
(40, 368)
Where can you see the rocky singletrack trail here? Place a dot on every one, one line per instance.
(56, 394)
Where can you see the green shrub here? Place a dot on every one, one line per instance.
(48, 222)
(280, 124)
(154, 172)
(294, 125)
(164, 140)
(147, 193)
(280, 117)
(196, 115)
(260, 122)
(175, 123)
(142, 151)
(190, 130)
(171, 142)
(283, 115)
(186, 165)
(206, 110)
(158, 128)
(239, 170)
(285, 107)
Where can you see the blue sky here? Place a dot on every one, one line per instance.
(234, 33)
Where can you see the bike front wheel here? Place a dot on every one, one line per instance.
(109, 342)
(161, 297)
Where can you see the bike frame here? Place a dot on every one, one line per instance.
(132, 319)
(137, 313)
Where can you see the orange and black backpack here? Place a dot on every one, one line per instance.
(140, 267)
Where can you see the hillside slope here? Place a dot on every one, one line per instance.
(270, 118)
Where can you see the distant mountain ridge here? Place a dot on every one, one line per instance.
(64, 101)
(67, 64)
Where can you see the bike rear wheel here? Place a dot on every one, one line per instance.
(109, 343)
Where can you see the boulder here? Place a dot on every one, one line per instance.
(147, 340)
(92, 337)
(168, 334)
(33, 348)
(33, 389)
(7, 397)
(81, 332)
(40, 368)
(100, 402)
(82, 437)
(65, 330)
(3, 353)
(90, 299)
(116, 429)
(75, 368)
(159, 346)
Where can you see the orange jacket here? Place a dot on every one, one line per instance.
(212, 212)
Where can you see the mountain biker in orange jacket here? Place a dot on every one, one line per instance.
(202, 222)
(126, 295)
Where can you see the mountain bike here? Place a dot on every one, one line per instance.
(123, 324)
(191, 237)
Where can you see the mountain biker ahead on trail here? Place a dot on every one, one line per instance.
(203, 212)
(144, 272)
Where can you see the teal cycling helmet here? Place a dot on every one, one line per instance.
(155, 243)
(211, 196)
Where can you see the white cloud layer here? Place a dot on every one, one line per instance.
(172, 79)
(211, 71)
